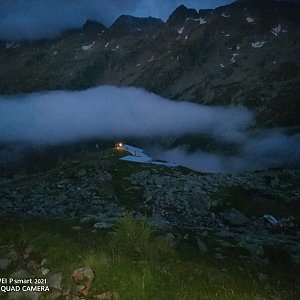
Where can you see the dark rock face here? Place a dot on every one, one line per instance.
(245, 53)
(93, 27)
(125, 24)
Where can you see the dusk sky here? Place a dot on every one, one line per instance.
(33, 19)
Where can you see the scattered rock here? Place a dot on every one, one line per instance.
(44, 271)
(53, 295)
(262, 277)
(201, 246)
(103, 225)
(44, 262)
(33, 267)
(13, 255)
(108, 296)
(159, 222)
(81, 173)
(76, 228)
(55, 281)
(219, 256)
(23, 296)
(20, 274)
(234, 217)
(4, 263)
(28, 251)
(270, 219)
(83, 277)
(254, 248)
(169, 237)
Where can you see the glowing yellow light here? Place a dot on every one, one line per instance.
(120, 144)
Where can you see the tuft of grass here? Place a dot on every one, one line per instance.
(135, 239)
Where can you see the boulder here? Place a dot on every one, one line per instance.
(201, 246)
(83, 278)
(81, 173)
(55, 281)
(234, 217)
(4, 263)
(28, 251)
(103, 225)
(13, 255)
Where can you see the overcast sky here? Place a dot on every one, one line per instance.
(34, 19)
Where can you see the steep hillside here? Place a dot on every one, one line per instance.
(244, 53)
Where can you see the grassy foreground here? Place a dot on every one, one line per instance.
(136, 263)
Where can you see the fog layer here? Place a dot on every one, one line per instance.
(119, 113)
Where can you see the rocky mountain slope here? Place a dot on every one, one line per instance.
(243, 53)
(249, 220)
(98, 188)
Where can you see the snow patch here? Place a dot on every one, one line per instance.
(233, 60)
(225, 16)
(116, 48)
(12, 45)
(88, 47)
(138, 156)
(151, 59)
(250, 20)
(258, 44)
(138, 65)
(222, 66)
(180, 31)
(277, 30)
(201, 20)
(186, 37)
(106, 45)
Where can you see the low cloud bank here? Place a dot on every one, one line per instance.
(268, 150)
(111, 113)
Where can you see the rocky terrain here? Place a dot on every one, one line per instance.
(255, 210)
(244, 53)
(250, 218)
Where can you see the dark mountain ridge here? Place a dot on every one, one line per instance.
(125, 24)
(245, 53)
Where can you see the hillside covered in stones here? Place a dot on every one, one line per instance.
(67, 216)
(245, 53)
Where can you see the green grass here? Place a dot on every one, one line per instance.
(136, 264)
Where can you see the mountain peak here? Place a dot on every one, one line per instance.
(180, 14)
(127, 23)
(93, 26)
